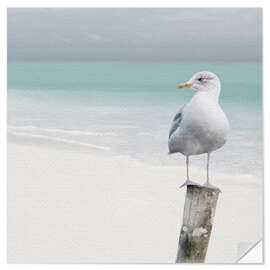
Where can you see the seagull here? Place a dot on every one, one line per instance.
(200, 126)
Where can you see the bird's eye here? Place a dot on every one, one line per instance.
(200, 79)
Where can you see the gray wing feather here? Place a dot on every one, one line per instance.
(176, 121)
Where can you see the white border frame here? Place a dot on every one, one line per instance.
(114, 3)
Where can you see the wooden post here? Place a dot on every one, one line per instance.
(199, 211)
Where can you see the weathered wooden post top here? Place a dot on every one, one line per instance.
(199, 211)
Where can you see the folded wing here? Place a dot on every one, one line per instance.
(176, 121)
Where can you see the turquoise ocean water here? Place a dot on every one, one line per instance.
(126, 108)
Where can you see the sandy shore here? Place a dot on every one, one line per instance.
(66, 206)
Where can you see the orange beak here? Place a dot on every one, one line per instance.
(184, 85)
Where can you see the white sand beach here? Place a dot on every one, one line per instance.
(69, 206)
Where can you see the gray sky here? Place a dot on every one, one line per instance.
(135, 34)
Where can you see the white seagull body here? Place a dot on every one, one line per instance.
(200, 126)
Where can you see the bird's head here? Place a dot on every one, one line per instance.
(203, 81)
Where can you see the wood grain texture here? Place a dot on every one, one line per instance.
(199, 211)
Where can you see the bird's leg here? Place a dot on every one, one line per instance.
(207, 184)
(188, 182)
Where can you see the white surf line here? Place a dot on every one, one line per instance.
(60, 140)
(65, 131)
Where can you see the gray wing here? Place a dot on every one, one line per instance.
(176, 121)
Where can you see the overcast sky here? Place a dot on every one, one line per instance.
(134, 34)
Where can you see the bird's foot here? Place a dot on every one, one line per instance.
(189, 183)
(208, 185)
